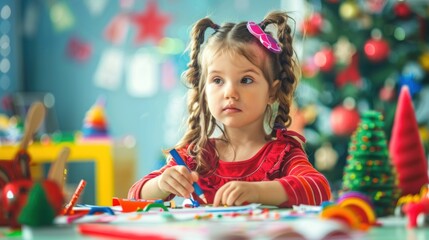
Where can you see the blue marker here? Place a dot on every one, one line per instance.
(180, 161)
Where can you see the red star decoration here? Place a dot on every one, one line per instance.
(150, 23)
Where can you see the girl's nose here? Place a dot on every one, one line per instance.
(231, 91)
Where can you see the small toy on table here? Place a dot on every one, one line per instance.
(19, 192)
(95, 123)
(68, 209)
(417, 211)
(353, 208)
(132, 205)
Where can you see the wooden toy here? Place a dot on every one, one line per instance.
(19, 167)
(15, 176)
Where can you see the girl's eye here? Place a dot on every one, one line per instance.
(246, 80)
(217, 80)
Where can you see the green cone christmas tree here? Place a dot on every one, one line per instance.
(368, 168)
(38, 211)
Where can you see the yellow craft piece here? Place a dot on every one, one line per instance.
(342, 214)
(357, 203)
(413, 198)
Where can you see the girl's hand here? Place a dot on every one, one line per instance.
(177, 180)
(236, 193)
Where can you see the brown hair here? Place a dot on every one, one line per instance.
(235, 39)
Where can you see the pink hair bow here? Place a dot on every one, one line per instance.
(267, 40)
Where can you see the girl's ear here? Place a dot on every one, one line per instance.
(273, 91)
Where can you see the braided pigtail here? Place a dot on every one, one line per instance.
(287, 77)
(198, 120)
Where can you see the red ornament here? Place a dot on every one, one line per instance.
(350, 74)
(377, 50)
(150, 23)
(387, 93)
(375, 6)
(402, 10)
(344, 120)
(325, 59)
(309, 69)
(312, 25)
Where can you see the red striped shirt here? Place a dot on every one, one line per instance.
(282, 159)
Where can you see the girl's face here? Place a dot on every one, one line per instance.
(237, 91)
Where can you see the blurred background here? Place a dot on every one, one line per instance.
(125, 58)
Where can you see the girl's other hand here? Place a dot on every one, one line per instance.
(178, 181)
(236, 193)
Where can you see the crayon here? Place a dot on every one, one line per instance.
(69, 207)
(180, 161)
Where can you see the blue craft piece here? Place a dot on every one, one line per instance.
(97, 209)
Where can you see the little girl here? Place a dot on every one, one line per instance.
(241, 83)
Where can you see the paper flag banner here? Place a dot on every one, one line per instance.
(78, 50)
(109, 71)
(95, 7)
(143, 75)
(169, 75)
(31, 16)
(61, 16)
(150, 23)
(175, 109)
(117, 29)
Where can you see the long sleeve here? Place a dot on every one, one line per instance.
(302, 182)
(135, 190)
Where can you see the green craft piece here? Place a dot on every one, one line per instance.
(155, 205)
(38, 211)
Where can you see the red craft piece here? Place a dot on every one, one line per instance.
(150, 23)
(406, 148)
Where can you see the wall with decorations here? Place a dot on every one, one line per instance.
(128, 53)
(10, 50)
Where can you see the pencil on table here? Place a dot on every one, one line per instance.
(69, 207)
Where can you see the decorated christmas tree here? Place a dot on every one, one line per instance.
(369, 169)
(356, 57)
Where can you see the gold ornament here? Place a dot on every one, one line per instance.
(349, 10)
(424, 134)
(344, 50)
(325, 157)
(424, 61)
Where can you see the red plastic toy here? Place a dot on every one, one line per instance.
(14, 198)
(414, 210)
